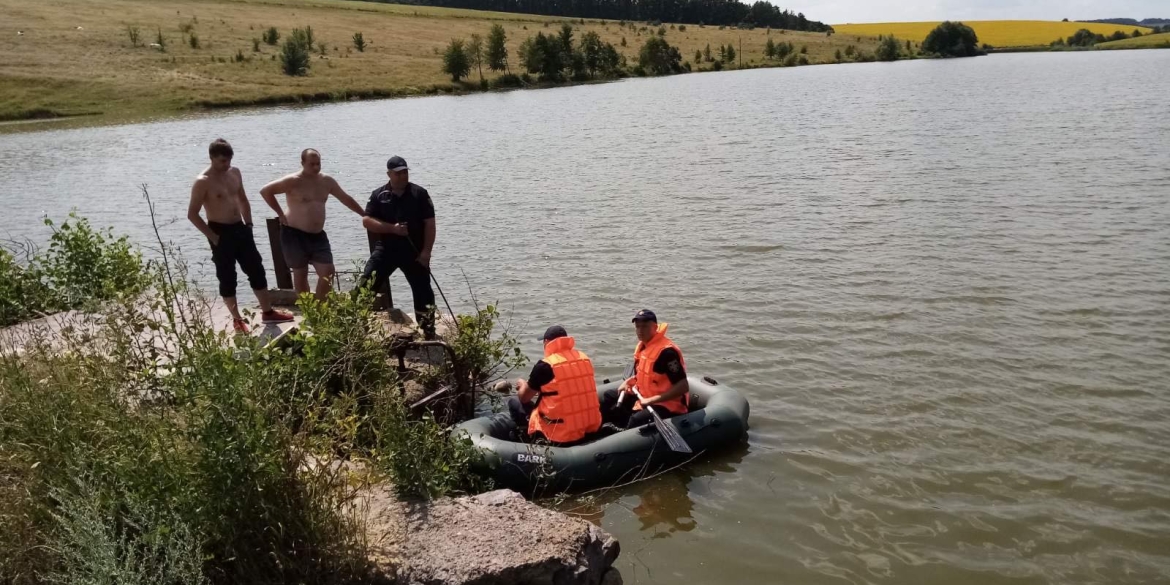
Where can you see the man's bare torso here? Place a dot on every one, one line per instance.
(220, 191)
(306, 201)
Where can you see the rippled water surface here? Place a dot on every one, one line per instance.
(943, 286)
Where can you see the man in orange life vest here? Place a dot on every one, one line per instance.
(568, 408)
(659, 373)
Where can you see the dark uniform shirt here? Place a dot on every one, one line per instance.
(413, 207)
(542, 374)
(669, 363)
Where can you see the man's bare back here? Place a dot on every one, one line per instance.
(219, 194)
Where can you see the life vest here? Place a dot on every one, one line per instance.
(651, 383)
(568, 408)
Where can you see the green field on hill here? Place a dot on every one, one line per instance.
(1158, 41)
(75, 57)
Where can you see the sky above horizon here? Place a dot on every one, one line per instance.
(858, 11)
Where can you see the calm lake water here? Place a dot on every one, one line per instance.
(944, 286)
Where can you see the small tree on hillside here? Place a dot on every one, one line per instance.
(707, 53)
(591, 52)
(658, 57)
(566, 38)
(497, 49)
(271, 36)
(161, 41)
(952, 39)
(769, 49)
(730, 54)
(294, 54)
(889, 49)
(135, 39)
(455, 61)
(359, 42)
(475, 54)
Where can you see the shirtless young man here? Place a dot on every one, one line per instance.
(219, 191)
(302, 232)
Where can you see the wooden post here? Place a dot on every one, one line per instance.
(283, 274)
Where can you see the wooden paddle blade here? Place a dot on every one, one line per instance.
(670, 434)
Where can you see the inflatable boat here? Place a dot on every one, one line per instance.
(718, 418)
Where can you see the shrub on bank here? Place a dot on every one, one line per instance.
(295, 53)
(81, 268)
(952, 39)
(173, 457)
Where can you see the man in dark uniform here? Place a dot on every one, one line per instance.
(662, 380)
(402, 215)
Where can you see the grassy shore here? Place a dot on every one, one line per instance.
(75, 58)
(997, 33)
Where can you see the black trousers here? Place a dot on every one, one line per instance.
(624, 416)
(236, 245)
(383, 263)
(520, 412)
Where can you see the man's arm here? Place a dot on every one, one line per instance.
(678, 390)
(381, 227)
(424, 256)
(344, 198)
(270, 191)
(541, 374)
(193, 212)
(242, 199)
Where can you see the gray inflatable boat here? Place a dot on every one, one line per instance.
(718, 418)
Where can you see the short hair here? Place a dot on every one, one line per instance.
(305, 153)
(220, 147)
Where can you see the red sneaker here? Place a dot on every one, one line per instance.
(276, 316)
(240, 326)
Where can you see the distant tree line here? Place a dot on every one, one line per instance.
(1087, 38)
(1151, 22)
(714, 12)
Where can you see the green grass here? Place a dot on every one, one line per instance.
(1158, 41)
(57, 69)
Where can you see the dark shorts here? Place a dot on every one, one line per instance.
(236, 244)
(302, 248)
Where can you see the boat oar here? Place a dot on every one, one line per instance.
(668, 432)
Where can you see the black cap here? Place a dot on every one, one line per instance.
(554, 332)
(397, 163)
(644, 315)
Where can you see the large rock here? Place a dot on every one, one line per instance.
(493, 538)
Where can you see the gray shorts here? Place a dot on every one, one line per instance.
(302, 248)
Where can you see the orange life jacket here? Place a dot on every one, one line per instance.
(651, 383)
(568, 408)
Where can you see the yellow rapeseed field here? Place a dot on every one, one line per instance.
(997, 33)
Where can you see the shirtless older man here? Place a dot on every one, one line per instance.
(302, 232)
(219, 191)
